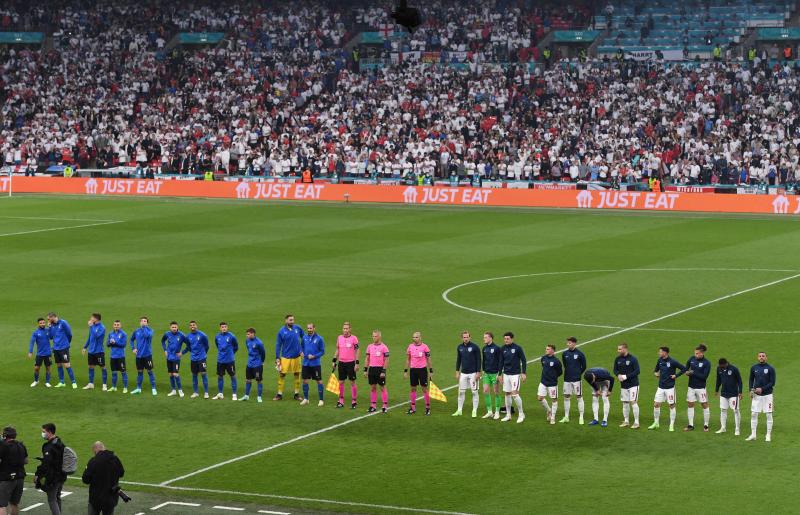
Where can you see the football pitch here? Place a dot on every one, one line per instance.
(731, 282)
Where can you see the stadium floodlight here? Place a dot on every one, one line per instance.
(408, 17)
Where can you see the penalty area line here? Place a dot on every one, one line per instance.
(362, 417)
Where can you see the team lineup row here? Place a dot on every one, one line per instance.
(495, 367)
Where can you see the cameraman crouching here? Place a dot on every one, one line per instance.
(102, 475)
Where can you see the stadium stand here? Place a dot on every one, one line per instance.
(692, 28)
(242, 89)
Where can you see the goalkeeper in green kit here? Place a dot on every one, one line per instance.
(491, 367)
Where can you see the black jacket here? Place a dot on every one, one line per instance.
(49, 470)
(102, 475)
(13, 456)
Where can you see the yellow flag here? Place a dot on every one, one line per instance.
(435, 392)
(333, 385)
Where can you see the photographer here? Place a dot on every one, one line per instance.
(50, 476)
(102, 475)
(13, 457)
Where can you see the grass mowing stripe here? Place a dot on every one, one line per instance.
(362, 417)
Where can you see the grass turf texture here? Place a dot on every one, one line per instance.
(386, 267)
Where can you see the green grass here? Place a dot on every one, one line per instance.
(386, 267)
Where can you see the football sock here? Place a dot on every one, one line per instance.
(518, 403)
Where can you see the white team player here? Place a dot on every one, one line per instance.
(468, 373)
(762, 382)
(730, 381)
(626, 369)
(666, 370)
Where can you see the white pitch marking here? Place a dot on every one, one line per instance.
(294, 498)
(288, 497)
(362, 417)
(175, 503)
(58, 228)
(446, 298)
(32, 506)
(229, 508)
(275, 512)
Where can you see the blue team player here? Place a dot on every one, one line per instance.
(602, 383)
(60, 333)
(172, 342)
(197, 347)
(666, 370)
(95, 346)
(142, 347)
(40, 338)
(117, 342)
(548, 386)
(255, 364)
(312, 351)
(574, 366)
(227, 345)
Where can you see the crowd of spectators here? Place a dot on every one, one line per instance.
(282, 93)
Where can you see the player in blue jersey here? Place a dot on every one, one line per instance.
(95, 347)
(227, 345)
(197, 348)
(61, 334)
(142, 347)
(312, 352)
(172, 342)
(117, 342)
(288, 343)
(40, 338)
(666, 370)
(255, 364)
(574, 366)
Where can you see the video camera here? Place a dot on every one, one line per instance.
(122, 495)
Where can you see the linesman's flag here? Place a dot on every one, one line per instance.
(436, 393)
(333, 385)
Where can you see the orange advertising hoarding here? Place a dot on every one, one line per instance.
(423, 195)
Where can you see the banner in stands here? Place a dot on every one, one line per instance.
(690, 189)
(581, 199)
(650, 55)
